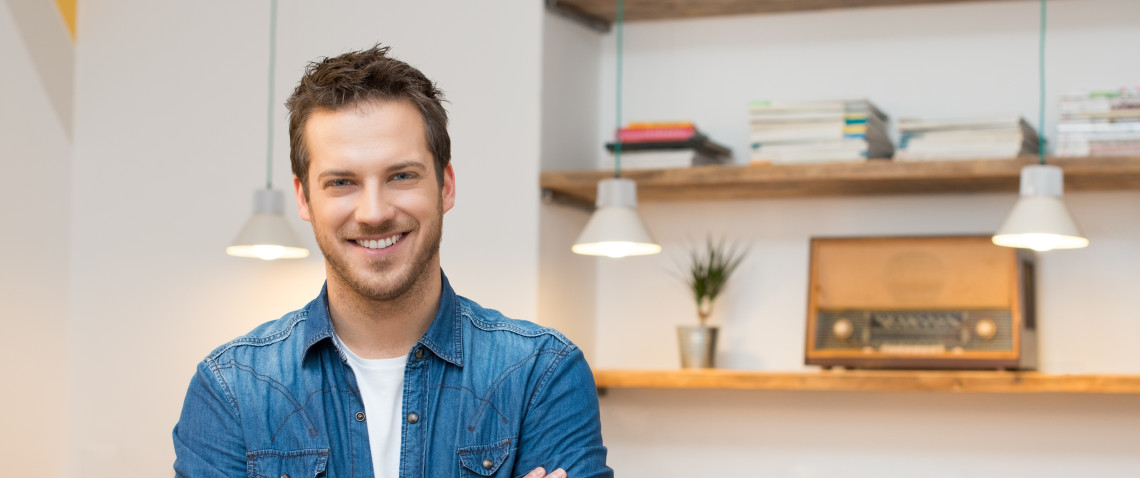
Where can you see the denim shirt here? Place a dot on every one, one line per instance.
(484, 396)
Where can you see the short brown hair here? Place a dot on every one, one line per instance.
(360, 76)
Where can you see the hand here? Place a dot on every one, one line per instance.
(540, 472)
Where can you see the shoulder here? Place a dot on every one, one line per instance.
(540, 358)
(488, 320)
(263, 337)
(511, 345)
(269, 355)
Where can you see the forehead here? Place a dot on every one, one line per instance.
(374, 130)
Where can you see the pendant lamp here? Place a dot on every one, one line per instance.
(616, 229)
(1040, 220)
(266, 235)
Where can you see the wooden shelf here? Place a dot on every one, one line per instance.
(874, 177)
(871, 381)
(603, 12)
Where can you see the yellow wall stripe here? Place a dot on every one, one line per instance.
(67, 11)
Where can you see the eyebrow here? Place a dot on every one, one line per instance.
(344, 173)
(335, 173)
(408, 165)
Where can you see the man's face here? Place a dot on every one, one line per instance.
(374, 199)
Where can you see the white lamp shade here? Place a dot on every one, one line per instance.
(266, 235)
(1040, 220)
(616, 230)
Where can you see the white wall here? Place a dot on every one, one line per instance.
(951, 60)
(170, 139)
(570, 90)
(865, 435)
(36, 154)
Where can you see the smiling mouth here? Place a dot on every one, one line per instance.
(380, 243)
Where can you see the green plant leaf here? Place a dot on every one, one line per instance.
(711, 267)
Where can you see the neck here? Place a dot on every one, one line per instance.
(379, 329)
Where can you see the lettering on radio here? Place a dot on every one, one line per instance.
(917, 321)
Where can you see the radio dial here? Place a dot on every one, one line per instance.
(842, 329)
(986, 329)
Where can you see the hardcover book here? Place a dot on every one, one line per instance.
(817, 131)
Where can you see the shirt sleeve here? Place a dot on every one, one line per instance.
(208, 439)
(562, 428)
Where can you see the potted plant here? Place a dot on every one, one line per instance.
(709, 269)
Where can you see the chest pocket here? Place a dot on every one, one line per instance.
(287, 464)
(485, 460)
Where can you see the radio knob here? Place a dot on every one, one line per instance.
(842, 329)
(986, 329)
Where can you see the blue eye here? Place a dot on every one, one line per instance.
(404, 176)
(339, 182)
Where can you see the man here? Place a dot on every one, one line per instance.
(387, 371)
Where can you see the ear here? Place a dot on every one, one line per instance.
(302, 203)
(448, 192)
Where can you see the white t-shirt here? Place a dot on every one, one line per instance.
(381, 383)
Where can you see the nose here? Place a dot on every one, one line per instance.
(372, 206)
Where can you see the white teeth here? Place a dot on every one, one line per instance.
(382, 243)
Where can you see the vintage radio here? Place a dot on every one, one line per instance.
(920, 302)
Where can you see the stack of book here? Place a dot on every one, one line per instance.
(1100, 123)
(923, 139)
(817, 131)
(659, 145)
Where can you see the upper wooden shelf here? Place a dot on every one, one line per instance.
(604, 12)
(874, 177)
(871, 380)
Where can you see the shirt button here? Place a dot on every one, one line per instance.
(284, 475)
(420, 353)
(359, 416)
(487, 463)
(413, 418)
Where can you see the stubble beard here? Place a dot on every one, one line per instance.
(362, 279)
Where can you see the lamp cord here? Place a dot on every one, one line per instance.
(269, 116)
(1041, 101)
(617, 131)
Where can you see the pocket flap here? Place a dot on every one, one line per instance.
(295, 464)
(485, 460)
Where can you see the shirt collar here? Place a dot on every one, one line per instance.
(317, 325)
(444, 337)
